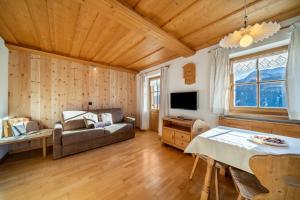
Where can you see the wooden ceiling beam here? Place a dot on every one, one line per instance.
(70, 58)
(131, 19)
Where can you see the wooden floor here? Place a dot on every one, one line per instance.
(140, 168)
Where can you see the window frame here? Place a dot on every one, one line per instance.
(255, 110)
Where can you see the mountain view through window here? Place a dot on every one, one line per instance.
(261, 81)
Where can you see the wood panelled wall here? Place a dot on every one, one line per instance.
(42, 87)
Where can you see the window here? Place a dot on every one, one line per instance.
(155, 93)
(258, 83)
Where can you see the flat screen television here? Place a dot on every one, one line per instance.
(184, 100)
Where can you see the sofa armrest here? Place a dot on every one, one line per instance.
(130, 120)
(57, 141)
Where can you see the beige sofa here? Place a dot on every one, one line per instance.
(71, 136)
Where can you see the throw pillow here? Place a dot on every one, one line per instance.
(99, 125)
(18, 129)
(106, 118)
(90, 119)
(32, 126)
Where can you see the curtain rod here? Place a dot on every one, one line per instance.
(156, 69)
(282, 28)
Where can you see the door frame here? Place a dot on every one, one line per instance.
(149, 100)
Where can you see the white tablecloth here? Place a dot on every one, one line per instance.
(233, 147)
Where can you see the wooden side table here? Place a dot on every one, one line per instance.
(42, 134)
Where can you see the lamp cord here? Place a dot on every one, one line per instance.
(245, 16)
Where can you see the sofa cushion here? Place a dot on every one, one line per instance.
(73, 119)
(106, 118)
(90, 119)
(99, 125)
(81, 135)
(118, 128)
(117, 114)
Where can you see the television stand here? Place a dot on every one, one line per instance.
(178, 132)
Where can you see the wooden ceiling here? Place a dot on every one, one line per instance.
(132, 34)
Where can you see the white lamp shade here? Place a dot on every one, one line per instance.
(258, 32)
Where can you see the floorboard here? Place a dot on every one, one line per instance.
(140, 168)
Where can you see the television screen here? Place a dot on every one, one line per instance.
(184, 100)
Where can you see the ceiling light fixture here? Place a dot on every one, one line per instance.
(249, 34)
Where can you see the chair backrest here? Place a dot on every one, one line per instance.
(280, 174)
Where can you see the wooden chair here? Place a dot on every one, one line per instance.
(277, 177)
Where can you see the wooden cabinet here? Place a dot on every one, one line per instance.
(168, 135)
(177, 132)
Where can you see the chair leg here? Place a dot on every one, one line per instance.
(216, 183)
(194, 167)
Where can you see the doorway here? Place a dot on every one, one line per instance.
(154, 97)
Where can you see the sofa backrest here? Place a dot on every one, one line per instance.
(73, 119)
(117, 113)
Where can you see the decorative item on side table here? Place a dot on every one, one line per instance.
(23, 129)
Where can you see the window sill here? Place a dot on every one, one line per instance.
(262, 117)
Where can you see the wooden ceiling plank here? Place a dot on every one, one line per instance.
(40, 22)
(258, 12)
(6, 33)
(235, 12)
(134, 21)
(153, 58)
(70, 58)
(16, 17)
(110, 40)
(145, 57)
(130, 3)
(120, 47)
(97, 33)
(278, 17)
(63, 30)
(144, 48)
(201, 14)
(164, 60)
(35, 30)
(85, 22)
(164, 11)
(50, 13)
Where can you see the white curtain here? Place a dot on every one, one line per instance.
(293, 74)
(142, 102)
(164, 97)
(219, 81)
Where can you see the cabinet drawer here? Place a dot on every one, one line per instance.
(168, 135)
(182, 136)
(181, 143)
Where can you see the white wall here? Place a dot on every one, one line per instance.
(176, 84)
(3, 90)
